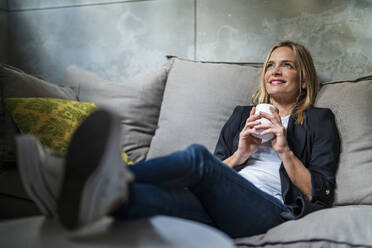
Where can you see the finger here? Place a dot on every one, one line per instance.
(252, 120)
(253, 111)
(268, 131)
(273, 118)
(253, 114)
(252, 139)
(275, 114)
(266, 115)
(253, 117)
(250, 125)
(263, 126)
(248, 132)
(254, 136)
(277, 132)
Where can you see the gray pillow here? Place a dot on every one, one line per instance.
(16, 83)
(351, 103)
(198, 99)
(137, 101)
(347, 226)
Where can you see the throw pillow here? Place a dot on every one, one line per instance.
(126, 158)
(16, 83)
(198, 99)
(137, 101)
(51, 120)
(350, 101)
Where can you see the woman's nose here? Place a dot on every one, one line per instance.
(277, 70)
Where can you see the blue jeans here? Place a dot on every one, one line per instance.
(195, 184)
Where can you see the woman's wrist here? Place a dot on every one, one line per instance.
(236, 159)
(241, 157)
(285, 153)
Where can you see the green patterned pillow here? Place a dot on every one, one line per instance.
(51, 120)
(126, 158)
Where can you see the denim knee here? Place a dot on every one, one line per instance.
(196, 156)
(198, 151)
(199, 156)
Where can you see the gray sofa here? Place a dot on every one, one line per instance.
(186, 102)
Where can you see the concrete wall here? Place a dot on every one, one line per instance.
(3, 31)
(118, 39)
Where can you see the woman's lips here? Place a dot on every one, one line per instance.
(277, 82)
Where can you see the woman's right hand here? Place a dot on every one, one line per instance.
(247, 142)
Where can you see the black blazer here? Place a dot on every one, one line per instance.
(316, 143)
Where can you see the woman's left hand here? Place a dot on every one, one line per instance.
(279, 142)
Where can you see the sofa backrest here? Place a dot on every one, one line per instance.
(351, 103)
(186, 102)
(137, 101)
(198, 99)
(200, 96)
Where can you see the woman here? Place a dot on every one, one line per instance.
(246, 188)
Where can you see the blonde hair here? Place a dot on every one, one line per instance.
(307, 73)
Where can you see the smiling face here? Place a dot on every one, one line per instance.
(282, 80)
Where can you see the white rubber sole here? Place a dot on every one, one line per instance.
(30, 157)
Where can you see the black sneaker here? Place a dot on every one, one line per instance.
(95, 175)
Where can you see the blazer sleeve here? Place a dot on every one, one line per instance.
(224, 147)
(324, 158)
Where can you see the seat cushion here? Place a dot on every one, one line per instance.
(14, 201)
(198, 99)
(351, 103)
(347, 226)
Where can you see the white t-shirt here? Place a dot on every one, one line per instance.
(262, 168)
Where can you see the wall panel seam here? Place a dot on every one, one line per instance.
(77, 5)
(195, 30)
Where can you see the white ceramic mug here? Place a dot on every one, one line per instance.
(264, 107)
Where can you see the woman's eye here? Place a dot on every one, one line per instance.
(269, 65)
(288, 65)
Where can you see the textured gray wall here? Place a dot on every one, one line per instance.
(3, 31)
(337, 32)
(118, 39)
(115, 40)
(3, 5)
